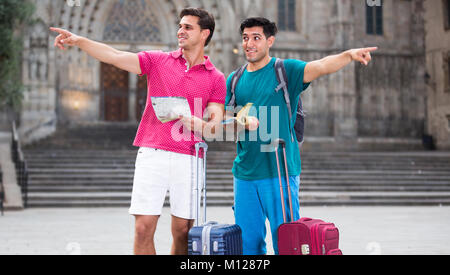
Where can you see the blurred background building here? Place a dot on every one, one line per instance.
(437, 41)
(78, 117)
(391, 104)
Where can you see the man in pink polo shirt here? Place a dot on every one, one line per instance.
(166, 159)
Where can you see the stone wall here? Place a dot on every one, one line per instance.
(384, 100)
(4, 123)
(391, 97)
(438, 76)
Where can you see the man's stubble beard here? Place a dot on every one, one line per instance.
(255, 59)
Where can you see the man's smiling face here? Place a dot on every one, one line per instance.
(190, 34)
(255, 44)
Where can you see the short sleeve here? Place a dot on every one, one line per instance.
(295, 70)
(147, 60)
(228, 98)
(220, 90)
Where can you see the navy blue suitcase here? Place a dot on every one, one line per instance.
(212, 238)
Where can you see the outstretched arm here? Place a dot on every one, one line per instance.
(334, 63)
(102, 52)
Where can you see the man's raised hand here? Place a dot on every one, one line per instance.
(362, 55)
(64, 38)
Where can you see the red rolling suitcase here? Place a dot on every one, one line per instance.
(306, 236)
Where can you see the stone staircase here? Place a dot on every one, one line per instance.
(66, 171)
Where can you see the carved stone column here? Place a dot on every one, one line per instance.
(38, 115)
(344, 82)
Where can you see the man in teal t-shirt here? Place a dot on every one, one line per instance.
(254, 159)
(256, 183)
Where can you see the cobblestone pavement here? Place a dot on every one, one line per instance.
(99, 231)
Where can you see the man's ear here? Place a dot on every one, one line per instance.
(206, 33)
(271, 41)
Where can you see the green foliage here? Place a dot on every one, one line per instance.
(14, 15)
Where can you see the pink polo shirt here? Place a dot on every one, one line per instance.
(167, 75)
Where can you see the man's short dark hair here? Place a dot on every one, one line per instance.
(206, 20)
(270, 28)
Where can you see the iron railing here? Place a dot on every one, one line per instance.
(20, 164)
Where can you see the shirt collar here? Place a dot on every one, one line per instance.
(208, 65)
(177, 54)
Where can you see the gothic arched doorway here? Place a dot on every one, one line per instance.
(115, 93)
(131, 26)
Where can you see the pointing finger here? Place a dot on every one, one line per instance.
(371, 49)
(56, 30)
(60, 31)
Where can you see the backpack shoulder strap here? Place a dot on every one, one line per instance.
(281, 75)
(234, 80)
(280, 71)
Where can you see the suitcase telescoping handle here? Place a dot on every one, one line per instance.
(198, 146)
(276, 144)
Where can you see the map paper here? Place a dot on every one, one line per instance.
(170, 108)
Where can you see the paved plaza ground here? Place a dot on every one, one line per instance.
(106, 231)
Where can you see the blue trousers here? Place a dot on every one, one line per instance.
(259, 200)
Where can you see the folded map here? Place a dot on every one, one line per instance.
(170, 108)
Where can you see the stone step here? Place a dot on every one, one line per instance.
(228, 156)
(229, 178)
(45, 162)
(104, 188)
(316, 179)
(217, 154)
(94, 177)
(221, 199)
(227, 168)
(431, 155)
(216, 170)
(229, 188)
(225, 159)
(113, 196)
(224, 182)
(225, 154)
(221, 160)
(213, 195)
(227, 203)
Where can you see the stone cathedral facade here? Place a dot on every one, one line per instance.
(382, 106)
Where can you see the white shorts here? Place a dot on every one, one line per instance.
(158, 171)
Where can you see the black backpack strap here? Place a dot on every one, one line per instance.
(280, 71)
(234, 80)
(299, 126)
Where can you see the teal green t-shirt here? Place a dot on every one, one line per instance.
(254, 161)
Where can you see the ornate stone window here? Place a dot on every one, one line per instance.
(286, 15)
(132, 21)
(374, 17)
